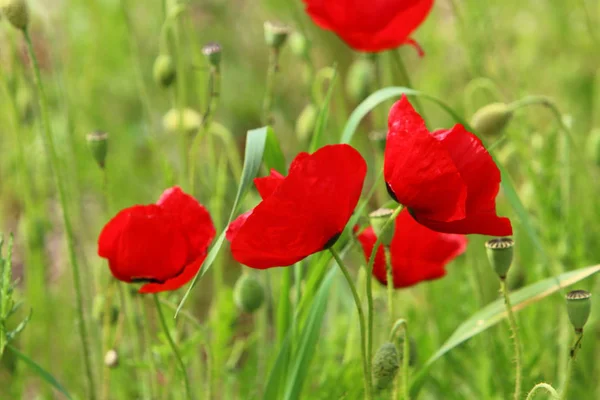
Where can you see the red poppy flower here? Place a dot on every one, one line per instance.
(370, 26)
(446, 178)
(162, 244)
(417, 253)
(302, 213)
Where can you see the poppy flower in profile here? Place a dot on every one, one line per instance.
(446, 178)
(370, 26)
(417, 253)
(302, 213)
(162, 244)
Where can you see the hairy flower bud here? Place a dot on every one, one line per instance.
(248, 293)
(360, 79)
(579, 305)
(412, 349)
(491, 120)
(98, 144)
(16, 12)
(305, 124)
(164, 70)
(385, 365)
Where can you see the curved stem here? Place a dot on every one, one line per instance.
(574, 351)
(402, 323)
(54, 165)
(542, 386)
(516, 340)
(361, 318)
(174, 349)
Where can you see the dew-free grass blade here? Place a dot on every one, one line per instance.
(255, 148)
(274, 158)
(495, 312)
(41, 372)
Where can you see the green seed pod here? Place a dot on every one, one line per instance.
(378, 219)
(579, 305)
(360, 79)
(412, 349)
(248, 293)
(98, 144)
(385, 366)
(191, 122)
(111, 358)
(593, 146)
(164, 70)
(212, 52)
(491, 120)
(306, 122)
(500, 254)
(299, 45)
(276, 34)
(16, 12)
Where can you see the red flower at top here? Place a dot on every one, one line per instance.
(162, 244)
(370, 26)
(417, 253)
(446, 178)
(302, 213)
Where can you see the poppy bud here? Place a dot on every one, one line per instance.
(578, 307)
(98, 144)
(385, 365)
(593, 146)
(378, 219)
(360, 79)
(305, 124)
(192, 120)
(16, 12)
(111, 359)
(299, 45)
(164, 70)
(500, 254)
(276, 34)
(412, 349)
(491, 120)
(212, 52)
(248, 293)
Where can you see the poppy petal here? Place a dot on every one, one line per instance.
(418, 168)
(310, 207)
(235, 225)
(186, 275)
(267, 185)
(482, 224)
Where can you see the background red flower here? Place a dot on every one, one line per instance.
(418, 253)
(301, 214)
(163, 244)
(371, 26)
(446, 178)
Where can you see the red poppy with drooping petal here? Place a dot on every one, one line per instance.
(370, 25)
(302, 213)
(162, 244)
(446, 178)
(417, 253)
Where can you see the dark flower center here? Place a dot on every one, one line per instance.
(145, 280)
(332, 241)
(391, 192)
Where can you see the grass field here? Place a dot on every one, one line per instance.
(96, 61)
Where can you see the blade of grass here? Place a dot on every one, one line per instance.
(323, 113)
(274, 158)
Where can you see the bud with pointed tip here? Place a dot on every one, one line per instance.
(248, 293)
(212, 52)
(360, 79)
(164, 70)
(579, 305)
(491, 120)
(500, 254)
(98, 144)
(305, 124)
(385, 365)
(16, 12)
(276, 34)
(378, 218)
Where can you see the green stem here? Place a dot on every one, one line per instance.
(361, 318)
(54, 165)
(390, 283)
(271, 72)
(574, 351)
(516, 340)
(402, 323)
(369, 283)
(174, 349)
(542, 386)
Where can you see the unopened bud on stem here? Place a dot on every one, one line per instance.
(248, 293)
(385, 366)
(164, 70)
(16, 12)
(491, 120)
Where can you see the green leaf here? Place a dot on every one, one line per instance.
(255, 147)
(41, 372)
(279, 370)
(495, 312)
(274, 158)
(321, 123)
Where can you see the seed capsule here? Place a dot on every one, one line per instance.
(579, 305)
(164, 70)
(276, 34)
(500, 254)
(16, 12)
(385, 366)
(212, 52)
(248, 293)
(98, 144)
(491, 120)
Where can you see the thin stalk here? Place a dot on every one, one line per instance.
(542, 386)
(402, 323)
(361, 318)
(271, 73)
(574, 351)
(516, 340)
(390, 283)
(54, 165)
(165, 327)
(406, 81)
